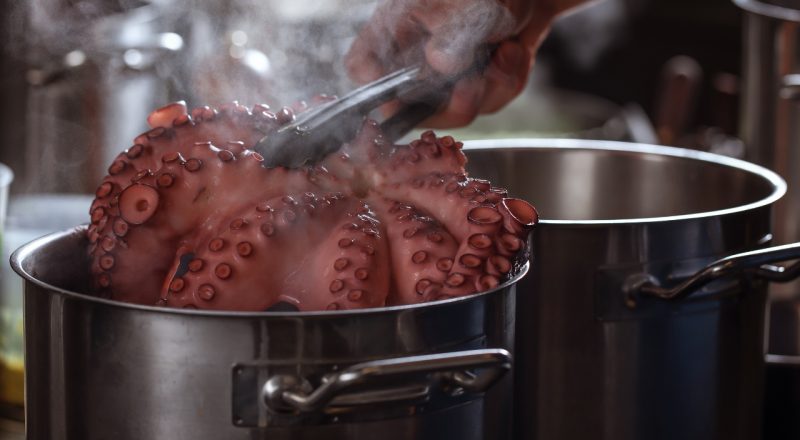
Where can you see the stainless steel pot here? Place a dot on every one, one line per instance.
(91, 84)
(627, 328)
(771, 132)
(99, 369)
(771, 75)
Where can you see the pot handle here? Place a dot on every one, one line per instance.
(289, 393)
(758, 263)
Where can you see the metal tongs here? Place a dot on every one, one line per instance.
(322, 130)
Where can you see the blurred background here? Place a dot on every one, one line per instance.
(78, 77)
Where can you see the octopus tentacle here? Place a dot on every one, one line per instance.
(422, 250)
(238, 267)
(424, 156)
(351, 265)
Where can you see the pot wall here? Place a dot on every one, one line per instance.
(691, 369)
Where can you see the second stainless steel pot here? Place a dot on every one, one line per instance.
(624, 331)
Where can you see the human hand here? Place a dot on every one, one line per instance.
(447, 35)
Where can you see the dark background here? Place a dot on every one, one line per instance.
(654, 31)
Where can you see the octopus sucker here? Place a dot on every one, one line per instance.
(188, 217)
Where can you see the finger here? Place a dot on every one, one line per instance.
(363, 60)
(521, 10)
(542, 16)
(390, 108)
(384, 43)
(506, 75)
(362, 64)
(449, 50)
(459, 32)
(534, 32)
(463, 106)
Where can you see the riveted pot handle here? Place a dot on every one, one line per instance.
(289, 393)
(759, 263)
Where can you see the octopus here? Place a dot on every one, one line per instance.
(189, 217)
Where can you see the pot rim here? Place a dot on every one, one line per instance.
(27, 250)
(779, 185)
(769, 10)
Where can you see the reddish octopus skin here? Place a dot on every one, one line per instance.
(188, 217)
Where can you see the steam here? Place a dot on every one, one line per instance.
(472, 24)
(275, 52)
(206, 51)
(97, 67)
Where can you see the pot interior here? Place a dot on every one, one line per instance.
(602, 181)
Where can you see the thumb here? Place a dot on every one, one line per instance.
(456, 36)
